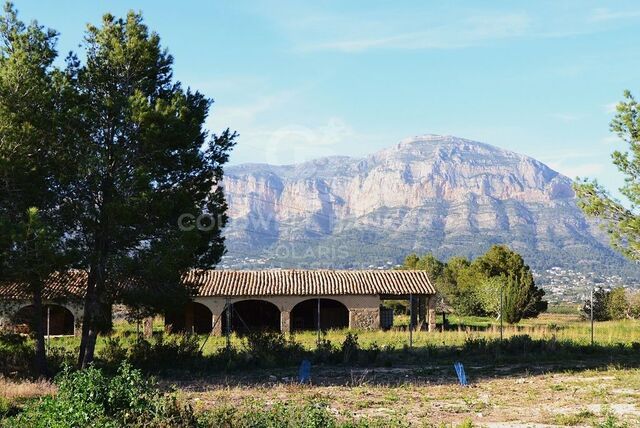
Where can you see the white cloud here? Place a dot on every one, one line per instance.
(611, 140)
(604, 14)
(246, 113)
(590, 169)
(296, 143)
(610, 108)
(469, 32)
(566, 117)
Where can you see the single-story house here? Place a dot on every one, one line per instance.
(281, 300)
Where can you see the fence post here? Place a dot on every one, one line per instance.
(410, 320)
(228, 329)
(591, 316)
(501, 313)
(318, 324)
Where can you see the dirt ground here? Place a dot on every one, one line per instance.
(496, 397)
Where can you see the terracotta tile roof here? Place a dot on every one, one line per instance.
(229, 283)
(59, 285)
(308, 282)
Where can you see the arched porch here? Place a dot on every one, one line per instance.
(57, 320)
(193, 317)
(332, 314)
(251, 315)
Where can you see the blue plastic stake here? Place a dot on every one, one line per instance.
(462, 377)
(304, 374)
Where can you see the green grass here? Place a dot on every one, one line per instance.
(550, 326)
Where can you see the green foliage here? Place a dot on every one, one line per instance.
(516, 300)
(162, 354)
(524, 297)
(350, 348)
(32, 105)
(622, 224)
(600, 311)
(109, 153)
(611, 421)
(312, 414)
(267, 349)
(16, 355)
(89, 398)
(617, 304)
(610, 305)
(145, 156)
(474, 287)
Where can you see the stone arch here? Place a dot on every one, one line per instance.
(194, 317)
(252, 315)
(57, 320)
(333, 315)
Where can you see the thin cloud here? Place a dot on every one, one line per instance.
(610, 108)
(247, 113)
(581, 170)
(566, 117)
(470, 32)
(604, 14)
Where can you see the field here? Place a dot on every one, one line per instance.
(550, 377)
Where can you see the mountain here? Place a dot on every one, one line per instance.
(443, 194)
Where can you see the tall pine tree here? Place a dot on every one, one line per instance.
(33, 108)
(143, 161)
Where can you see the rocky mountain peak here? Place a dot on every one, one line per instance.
(445, 194)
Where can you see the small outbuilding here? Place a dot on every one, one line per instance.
(245, 301)
(62, 304)
(293, 300)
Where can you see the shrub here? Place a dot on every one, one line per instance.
(350, 348)
(16, 354)
(177, 352)
(114, 353)
(325, 351)
(312, 414)
(59, 357)
(266, 349)
(89, 398)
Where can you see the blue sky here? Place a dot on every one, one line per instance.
(299, 80)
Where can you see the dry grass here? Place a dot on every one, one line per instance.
(571, 398)
(17, 390)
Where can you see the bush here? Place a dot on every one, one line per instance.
(350, 348)
(16, 354)
(114, 353)
(89, 398)
(267, 349)
(312, 414)
(178, 352)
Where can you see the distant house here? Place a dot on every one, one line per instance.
(62, 304)
(280, 300)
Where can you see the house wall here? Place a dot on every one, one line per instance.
(9, 308)
(364, 310)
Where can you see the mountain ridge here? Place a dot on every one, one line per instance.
(444, 194)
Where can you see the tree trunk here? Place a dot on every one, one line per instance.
(89, 321)
(41, 352)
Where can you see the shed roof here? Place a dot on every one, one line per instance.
(240, 283)
(309, 282)
(60, 285)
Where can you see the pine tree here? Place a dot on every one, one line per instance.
(143, 161)
(32, 109)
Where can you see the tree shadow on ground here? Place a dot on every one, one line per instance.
(483, 360)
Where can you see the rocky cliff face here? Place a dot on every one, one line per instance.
(433, 193)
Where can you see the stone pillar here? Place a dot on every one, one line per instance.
(364, 318)
(147, 327)
(285, 321)
(422, 311)
(432, 312)
(217, 324)
(77, 328)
